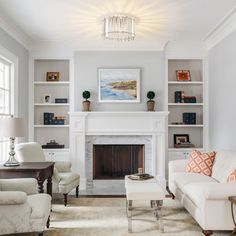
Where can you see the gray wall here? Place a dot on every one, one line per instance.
(152, 77)
(17, 49)
(222, 94)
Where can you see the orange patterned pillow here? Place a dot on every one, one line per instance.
(232, 176)
(201, 163)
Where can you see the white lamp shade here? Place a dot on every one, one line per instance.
(12, 127)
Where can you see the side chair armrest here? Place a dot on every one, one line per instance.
(63, 166)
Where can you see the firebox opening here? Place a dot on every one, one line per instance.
(116, 161)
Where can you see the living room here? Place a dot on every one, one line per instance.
(114, 117)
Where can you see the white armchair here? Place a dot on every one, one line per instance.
(22, 209)
(63, 180)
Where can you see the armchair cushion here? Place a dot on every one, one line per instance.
(12, 197)
(27, 185)
(63, 166)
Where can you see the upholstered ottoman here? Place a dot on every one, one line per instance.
(147, 190)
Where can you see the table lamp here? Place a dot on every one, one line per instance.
(12, 127)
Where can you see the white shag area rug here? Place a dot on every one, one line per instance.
(107, 217)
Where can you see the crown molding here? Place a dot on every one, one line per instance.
(98, 46)
(15, 32)
(225, 27)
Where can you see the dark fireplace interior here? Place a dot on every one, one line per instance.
(116, 161)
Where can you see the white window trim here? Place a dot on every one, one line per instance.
(13, 60)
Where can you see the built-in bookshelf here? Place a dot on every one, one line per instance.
(55, 89)
(194, 87)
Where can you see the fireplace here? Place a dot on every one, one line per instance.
(117, 128)
(114, 161)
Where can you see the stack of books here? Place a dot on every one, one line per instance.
(184, 145)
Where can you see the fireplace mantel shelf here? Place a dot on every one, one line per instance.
(82, 113)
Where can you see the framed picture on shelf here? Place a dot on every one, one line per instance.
(181, 138)
(119, 85)
(52, 76)
(183, 75)
(47, 98)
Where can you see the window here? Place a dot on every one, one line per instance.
(6, 101)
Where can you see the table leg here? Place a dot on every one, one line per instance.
(232, 212)
(152, 203)
(49, 185)
(40, 185)
(158, 214)
(130, 216)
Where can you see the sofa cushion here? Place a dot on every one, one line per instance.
(40, 205)
(201, 162)
(181, 179)
(224, 164)
(232, 176)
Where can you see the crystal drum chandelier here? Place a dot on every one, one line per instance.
(119, 27)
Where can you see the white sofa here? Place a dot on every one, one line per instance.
(22, 209)
(206, 198)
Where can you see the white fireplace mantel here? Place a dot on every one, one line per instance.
(84, 124)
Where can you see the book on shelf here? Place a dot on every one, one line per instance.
(184, 145)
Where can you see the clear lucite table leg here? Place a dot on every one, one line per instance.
(129, 216)
(158, 214)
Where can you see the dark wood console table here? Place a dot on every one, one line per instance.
(38, 170)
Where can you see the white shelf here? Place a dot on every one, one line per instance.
(185, 82)
(185, 104)
(185, 149)
(52, 104)
(186, 126)
(56, 149)
(51, 126)
(51, 83)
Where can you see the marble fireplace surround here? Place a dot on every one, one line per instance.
(88, 128)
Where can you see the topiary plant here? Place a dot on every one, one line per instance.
(150, 95)
(86, 95)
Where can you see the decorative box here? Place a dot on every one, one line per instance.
(47, 118)
(189, 118)
(178, 96)
(61, 100)
(190, 99)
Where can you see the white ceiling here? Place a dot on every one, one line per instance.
(80, 21)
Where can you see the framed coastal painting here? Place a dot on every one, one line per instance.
(119, 85)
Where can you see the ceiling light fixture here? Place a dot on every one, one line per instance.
(119, 27)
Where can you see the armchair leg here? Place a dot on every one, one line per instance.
(48, 222)
(171, 194)
(65, 199)
(207, 232)
(40, 234)
(77, 191)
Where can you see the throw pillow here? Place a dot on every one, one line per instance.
(232, 176)
(201, 163)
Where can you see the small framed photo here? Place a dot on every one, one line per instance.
(181, 138)
(47, 98)
(52, 76)
(183, 75)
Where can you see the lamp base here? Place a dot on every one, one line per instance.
(8, 164)
(11, 160)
